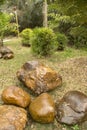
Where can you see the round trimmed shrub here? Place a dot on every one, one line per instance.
(62, 41)
(26, 35)
(43, 41)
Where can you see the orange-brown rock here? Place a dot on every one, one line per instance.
(16, 96)
(38, 77)
(12, 118)
(42, 109)
(72, 108)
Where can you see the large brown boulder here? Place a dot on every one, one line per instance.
(16, 96)
(6, 52)
(12, 118)
(42, 109)
(72, 108)
(39, 78)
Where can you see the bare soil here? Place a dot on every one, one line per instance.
(74, 75)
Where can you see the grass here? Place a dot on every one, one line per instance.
(8, 69)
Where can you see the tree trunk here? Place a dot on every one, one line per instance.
(44, 13)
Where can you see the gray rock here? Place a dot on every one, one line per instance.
(72, 108)
(6, 52)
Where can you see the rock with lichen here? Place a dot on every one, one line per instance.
(12, 118)
(38, 77)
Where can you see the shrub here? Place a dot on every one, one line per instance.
(26, 35)
(62, 41)
(43, 41)
(10, 29)
(65, 24)
(79, 35)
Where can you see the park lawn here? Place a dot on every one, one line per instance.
(61, 61)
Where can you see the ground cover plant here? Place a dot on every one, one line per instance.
(70, 63)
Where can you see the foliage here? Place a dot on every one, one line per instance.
(65, 24)
(53, 15)
(62, 41)
(26, 35)
(57, 21)
(43, 41)
(75, 127)
(73, 25)
(4, 21)
(10, 29)
(77, 9)
(29, 12)
(2, 1)
(72, 127)
(80, 36)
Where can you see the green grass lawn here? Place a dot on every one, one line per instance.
(8, 69)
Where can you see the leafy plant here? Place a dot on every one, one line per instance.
(43, 41)
(62, 41)
(10, 29)
(75, 127)
(4, 21)
(29, 12)
(79, 35)
(26, 35)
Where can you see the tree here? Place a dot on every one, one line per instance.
(1, 40)
(77, 9)
(44, 13)
(4, 20)
(29, 12)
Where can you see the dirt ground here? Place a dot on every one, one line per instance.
(74, 75)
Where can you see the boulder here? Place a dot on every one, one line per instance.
(42, 109)
(8, 56)
(6, 52)
(25, 69)
(72, 108)
(16, 96)
(38, 77)
(12, 118)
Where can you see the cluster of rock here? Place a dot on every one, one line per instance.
(71, 109)
(6, 52)
(14, 114)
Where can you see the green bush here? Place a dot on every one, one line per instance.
(11, 29)
(26, 35)
(79, 35)
(62, 41)
(43, 41)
